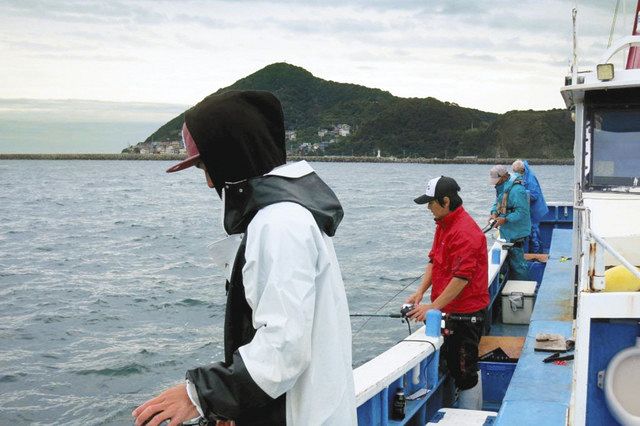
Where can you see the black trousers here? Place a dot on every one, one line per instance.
(460, 349)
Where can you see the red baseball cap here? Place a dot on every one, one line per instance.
(193, 155)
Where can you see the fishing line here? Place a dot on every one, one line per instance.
(387, 302)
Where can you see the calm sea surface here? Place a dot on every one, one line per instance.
(107, 295)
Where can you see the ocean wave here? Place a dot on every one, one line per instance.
(125, 370)
(191, 302)
(11, 378)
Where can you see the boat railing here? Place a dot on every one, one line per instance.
(411, 365)
(595, 246)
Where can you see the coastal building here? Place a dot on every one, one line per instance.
(290, 135)
(343, 130)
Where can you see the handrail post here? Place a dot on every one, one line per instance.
(598, 271)
(433, 326)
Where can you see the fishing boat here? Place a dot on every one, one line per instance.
(579, 362)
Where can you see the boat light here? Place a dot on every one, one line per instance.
(605, 72)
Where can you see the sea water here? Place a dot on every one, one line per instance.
(107, 294)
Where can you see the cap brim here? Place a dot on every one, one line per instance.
(423, 199)
(184, 164)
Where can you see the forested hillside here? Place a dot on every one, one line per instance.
(401, 127)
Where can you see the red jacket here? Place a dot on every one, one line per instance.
(460, 250)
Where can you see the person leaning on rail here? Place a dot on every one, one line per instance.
(511, 214)
(457, 272)
(286, 303)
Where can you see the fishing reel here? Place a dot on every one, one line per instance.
(406, 308)
(490, 226)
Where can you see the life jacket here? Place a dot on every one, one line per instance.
(503, 209)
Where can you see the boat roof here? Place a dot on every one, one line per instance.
(585, 81)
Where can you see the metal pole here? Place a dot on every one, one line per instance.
(613, 23)
(574, 66)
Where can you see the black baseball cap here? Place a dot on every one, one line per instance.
(438, 188)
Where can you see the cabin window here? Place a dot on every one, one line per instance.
(614, 157)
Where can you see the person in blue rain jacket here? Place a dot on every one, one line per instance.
(537, 204)
(511, 213)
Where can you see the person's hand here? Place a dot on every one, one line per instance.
(419, 313)
(414, 299)
(501, 221)
(492, 217)
(173, 404)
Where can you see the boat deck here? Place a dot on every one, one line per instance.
(539, 393)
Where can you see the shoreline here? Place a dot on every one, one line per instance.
(326, 158)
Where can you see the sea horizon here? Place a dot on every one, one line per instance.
(324, 158)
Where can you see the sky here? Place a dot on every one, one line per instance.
(494, 55)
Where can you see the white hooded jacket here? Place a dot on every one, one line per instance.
(293, 285)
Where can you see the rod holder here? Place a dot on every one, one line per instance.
(432, 322)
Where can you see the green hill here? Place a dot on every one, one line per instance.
(410, 127)
(531, 134)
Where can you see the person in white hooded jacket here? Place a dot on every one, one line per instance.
(287, 328)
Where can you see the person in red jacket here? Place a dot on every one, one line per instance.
(457, 273)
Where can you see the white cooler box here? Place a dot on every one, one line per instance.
(517, 301)
(460, 417)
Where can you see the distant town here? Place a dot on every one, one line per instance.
(316, 146)
(327, 136)
(156, 147)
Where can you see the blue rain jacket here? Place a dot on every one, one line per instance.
(518, 223)
(537, 203)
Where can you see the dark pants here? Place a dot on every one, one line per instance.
(518, 267)
(460, 350)
(535, 245)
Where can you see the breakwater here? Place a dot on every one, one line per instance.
(325, 158)
(349, 159)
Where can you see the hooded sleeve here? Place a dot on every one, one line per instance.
(228, 392)
(279, 279)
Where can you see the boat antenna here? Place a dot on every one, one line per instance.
(574, 65)
(613, 23)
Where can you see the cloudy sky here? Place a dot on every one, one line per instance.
(496, 55)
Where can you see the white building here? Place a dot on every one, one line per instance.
(343, 129)
(290, 135)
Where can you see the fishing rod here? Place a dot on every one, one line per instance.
(401, 315)
(377, 315)
(490, 226)
(406, 308)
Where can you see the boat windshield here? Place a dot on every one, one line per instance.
(615, 150)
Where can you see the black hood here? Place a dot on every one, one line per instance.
(239, 134)
(244, 199)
